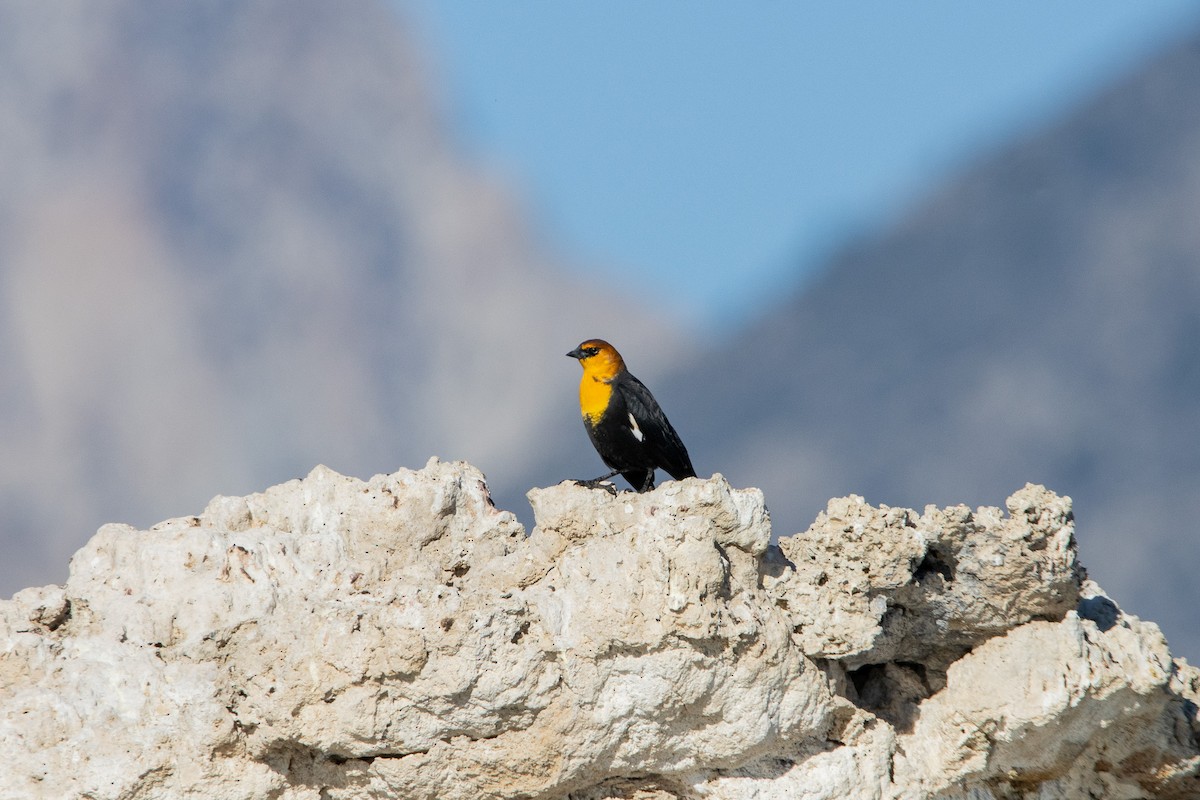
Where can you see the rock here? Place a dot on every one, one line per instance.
(878, 585)
(401, 637)
(1070, 710)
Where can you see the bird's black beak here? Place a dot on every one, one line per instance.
(576, 353)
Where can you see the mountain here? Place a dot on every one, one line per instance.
(238, 241)
(1036, 319)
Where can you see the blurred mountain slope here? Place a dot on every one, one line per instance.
(1037, 319)
(236, 240)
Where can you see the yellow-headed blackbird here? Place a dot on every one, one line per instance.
(627, 427)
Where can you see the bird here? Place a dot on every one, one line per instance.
(625, 423)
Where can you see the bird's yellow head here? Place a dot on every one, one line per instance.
(601, 364)
(599, 359)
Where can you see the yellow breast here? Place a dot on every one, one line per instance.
(594, 395)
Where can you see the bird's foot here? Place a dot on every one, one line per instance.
(599, 483)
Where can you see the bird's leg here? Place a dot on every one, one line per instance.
(598, 483)
(648, 484)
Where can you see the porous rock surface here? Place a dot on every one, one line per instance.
(402, 638)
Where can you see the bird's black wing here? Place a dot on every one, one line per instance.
(660, 438)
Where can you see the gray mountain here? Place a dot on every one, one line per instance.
(1037, 319)
(237, 240)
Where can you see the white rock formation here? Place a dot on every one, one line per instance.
(402, 638)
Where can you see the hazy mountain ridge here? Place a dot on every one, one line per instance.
(1036, 319)
(238, 241)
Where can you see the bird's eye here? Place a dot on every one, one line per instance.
(591, 351)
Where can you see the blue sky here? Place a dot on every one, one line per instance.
(711, 155)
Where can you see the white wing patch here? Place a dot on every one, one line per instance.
(637, 432)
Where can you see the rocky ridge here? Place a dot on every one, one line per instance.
(401, 637)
